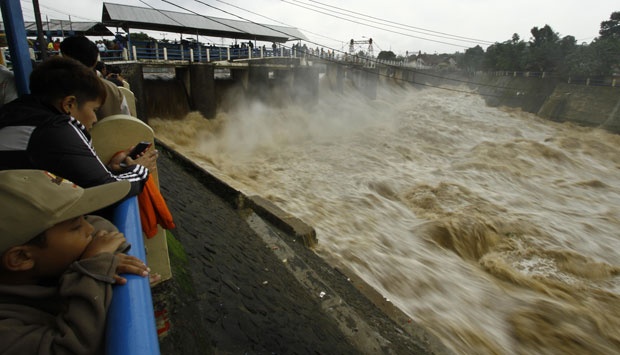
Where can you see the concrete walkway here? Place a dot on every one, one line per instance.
(242, 285)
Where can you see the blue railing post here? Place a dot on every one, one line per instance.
(130, 327)
(16, 35)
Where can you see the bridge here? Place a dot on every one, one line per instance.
(206, 73)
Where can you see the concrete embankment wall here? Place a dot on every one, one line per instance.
(596, 106)
(551, 98)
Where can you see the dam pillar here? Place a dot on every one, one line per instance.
(183, 75)
(385, 73)
(240, 76)
(201, 89)
(404, 76)
(281, 82)
(399, 75)
(366, 79)
(335, 76)
(258, 82)
(305, 88)
(164, 92)
(411, 76)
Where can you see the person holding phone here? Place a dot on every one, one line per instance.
(49, 129)
(139, 149)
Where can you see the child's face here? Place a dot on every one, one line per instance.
(86, 113)
(65, 243)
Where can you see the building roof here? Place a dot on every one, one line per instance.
(126, 17)
(58, 28)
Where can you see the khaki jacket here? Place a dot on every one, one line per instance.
(115, 103)
(68, 318)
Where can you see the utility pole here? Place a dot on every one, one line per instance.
(37, 18)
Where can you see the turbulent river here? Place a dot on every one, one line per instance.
(496, 230)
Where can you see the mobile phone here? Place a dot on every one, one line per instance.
(138, 149)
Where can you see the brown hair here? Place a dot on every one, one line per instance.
(59, 77)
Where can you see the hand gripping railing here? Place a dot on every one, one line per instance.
(131, 326)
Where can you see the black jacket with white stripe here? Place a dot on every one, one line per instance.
(35, 135)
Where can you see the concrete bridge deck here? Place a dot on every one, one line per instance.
(244, 286)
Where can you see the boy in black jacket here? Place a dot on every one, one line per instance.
(48, 129)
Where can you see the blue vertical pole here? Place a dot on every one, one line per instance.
(131, 328)
(16, 37)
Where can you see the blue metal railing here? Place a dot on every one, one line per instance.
(131, 326)
(15, 33)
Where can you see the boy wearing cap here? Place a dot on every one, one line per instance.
(56, 272)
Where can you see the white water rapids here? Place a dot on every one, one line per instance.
(493, 228)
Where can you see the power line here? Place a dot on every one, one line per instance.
(161, 12)
(28, 6)
(388, 23)
(210, 18)
(68, 14)
(380, 28)
(280, 22)
(182, 25)
(409, 26)
(339, 63)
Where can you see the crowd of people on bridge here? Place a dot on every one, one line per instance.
(113, 49)
(106, 47)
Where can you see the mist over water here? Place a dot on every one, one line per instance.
(496, 230)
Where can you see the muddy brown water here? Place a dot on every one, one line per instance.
(496, 230)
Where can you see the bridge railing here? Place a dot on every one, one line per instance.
(179, 52)
(130, 328)
(142, 50)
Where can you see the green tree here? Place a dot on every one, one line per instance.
(140, 36)
(544, 51)
(607, 51)
(567, 45)
(472, 60)
(386, 55)
(611, 28)
(508, 55)
(583, 61)
(608, 45)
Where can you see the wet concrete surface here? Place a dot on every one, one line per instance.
(244, 285)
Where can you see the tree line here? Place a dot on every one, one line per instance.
(546, 51)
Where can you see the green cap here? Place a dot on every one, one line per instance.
(35, 200)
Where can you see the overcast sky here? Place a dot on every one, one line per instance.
(431, 26)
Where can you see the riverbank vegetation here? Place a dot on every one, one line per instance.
(546, 51)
